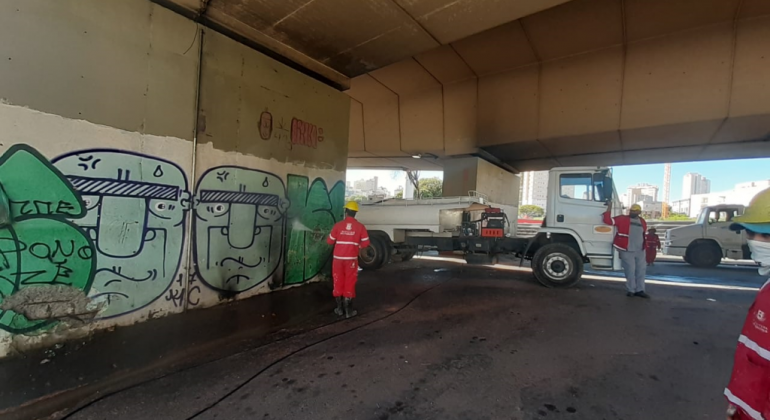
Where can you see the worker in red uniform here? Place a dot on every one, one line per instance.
(629, 241)
(748, 392)
(348, 237)
(652, 241)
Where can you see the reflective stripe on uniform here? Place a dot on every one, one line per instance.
(742, 404)
(332, 237)
(752, 345)
(365, 239)
(345, 258)
(347, 243)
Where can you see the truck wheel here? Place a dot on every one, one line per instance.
(557, 266)
(704, 255)
(373, 256)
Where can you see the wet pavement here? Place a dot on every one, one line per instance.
(435, 340)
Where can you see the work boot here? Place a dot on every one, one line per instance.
(338, 310)
(349, 311)
(629, 294)
(642, 295)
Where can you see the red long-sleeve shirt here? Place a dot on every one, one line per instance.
(348, 236)
(749, 387)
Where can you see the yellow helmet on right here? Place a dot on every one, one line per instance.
(756, 218)
(351, 205)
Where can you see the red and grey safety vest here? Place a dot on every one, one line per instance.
(749, 387)
(348, 236)
(622, 228)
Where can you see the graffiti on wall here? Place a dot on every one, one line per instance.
(136, 207)
(41, 247)
(305, 134)
(239, 227)
(314, 211)
(265, 125)
(111, 223)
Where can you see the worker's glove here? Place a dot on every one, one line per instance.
(731, 412)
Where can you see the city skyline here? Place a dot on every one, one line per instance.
(724, 174)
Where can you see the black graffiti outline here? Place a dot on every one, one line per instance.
(150, 188)
(198, 201)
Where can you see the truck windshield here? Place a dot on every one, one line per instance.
(703, 217)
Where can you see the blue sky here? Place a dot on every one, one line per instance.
(724, 174)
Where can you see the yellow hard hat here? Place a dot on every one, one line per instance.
(352, 205)
(757, 215)
(635, 207)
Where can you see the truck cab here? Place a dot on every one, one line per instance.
(576, 201)
(709, 239)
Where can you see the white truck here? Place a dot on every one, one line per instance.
(709, 239)
(572, 233)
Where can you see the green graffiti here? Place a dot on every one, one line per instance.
(40, 247)
(239, 223)
(312, 214)
(136, 207)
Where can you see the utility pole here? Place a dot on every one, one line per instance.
(666, 190)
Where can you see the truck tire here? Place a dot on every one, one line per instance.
(557, 266)
(704, 255)
(374, 256)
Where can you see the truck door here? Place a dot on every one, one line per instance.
(578, 206)
(718, 228)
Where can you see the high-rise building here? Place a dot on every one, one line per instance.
(640, 193)
(367, 185)
(534, 188)
(695, 183)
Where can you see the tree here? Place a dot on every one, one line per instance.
(430, 187)
(531, 210)
(414, 178)
(400, 194)
(356, 198)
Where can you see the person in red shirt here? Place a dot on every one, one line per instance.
(348, 237)
(629, 241)
(652, 241)
(748, 393)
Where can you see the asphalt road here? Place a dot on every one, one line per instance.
(443, 340)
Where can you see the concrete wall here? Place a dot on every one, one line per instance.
(119, 214)
(459, 176)
(462, 175)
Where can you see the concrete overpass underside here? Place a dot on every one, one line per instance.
(534, 84)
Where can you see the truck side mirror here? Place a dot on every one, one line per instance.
(606, 179)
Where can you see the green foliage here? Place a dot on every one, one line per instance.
(430, 187)
(531, 210)
(678, 217)
(356, 198)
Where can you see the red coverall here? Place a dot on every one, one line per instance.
(652, 242)
(749, 387)
(347, 236)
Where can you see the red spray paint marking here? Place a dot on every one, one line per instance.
(305, 133)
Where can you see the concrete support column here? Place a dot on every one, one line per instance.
(466, 175)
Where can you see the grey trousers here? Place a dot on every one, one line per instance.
(635, 267)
